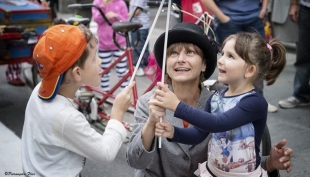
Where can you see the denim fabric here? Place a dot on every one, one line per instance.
(223, 30)
(138, 49)
(302, 64)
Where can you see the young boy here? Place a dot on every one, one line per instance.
(56, 137)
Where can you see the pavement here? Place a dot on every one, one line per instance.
(290, 124)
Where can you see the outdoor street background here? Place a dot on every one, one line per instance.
(290, 124)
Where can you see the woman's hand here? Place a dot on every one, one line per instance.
(155, 111)
(280, 157)
(164, 129)
(148, 131)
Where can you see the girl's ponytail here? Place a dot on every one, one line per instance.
(278, 60)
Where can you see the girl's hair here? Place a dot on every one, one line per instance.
(178, 47)
(269, 58)
(91, 41)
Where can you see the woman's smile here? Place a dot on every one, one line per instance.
(181, 70)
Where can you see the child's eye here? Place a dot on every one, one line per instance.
(230, 56)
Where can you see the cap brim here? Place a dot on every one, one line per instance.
(187, 36)
(49, 88)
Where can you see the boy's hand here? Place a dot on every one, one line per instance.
(164, 129)
(122, 102)
(155, 112)
(165, 98)
(110, 15)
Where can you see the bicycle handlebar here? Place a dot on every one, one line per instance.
(79, 6)
(88, 6)
(140, 8)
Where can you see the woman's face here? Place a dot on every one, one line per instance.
(184, 63)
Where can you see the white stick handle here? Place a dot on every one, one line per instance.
(164, 54)
(159, 139)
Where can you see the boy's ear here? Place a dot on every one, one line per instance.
(76, 73)
(250, 71)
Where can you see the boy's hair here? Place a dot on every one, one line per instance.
(81, 61)
(58, 49)
(269, 58)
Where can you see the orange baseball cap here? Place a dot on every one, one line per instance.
(58, 48)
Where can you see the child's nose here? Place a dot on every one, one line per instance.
(220, 60)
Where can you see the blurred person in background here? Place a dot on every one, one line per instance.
(300, 14)
(143, 17)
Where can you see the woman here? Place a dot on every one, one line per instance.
(184, 78)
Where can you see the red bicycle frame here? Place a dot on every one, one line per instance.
(110, 93)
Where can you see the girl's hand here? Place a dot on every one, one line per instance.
(164, 129)
(165, 98)
(105, 2)
(155, 112)
(110, 15)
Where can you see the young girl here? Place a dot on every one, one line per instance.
(114, 10)
(236, 115)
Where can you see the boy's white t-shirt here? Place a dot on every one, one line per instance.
(57, 138)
